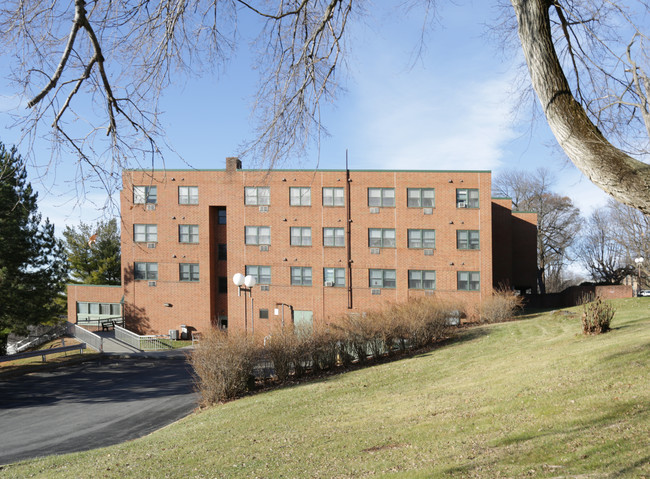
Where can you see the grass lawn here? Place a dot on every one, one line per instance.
(531, 398)
(25, 365)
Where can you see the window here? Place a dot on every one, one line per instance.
(333, 237)
(188, 195)
(145, 271)
(300, 236)
(222, 252)
(257, 195)
(421, 197)
(422, 238)
(467, 198)
(189, 272)
(469, 280)
(467, 239)
(422, 279)
(95, 311)
(145, 233)
(384, 197)
(262, 274)
(300, 196)
(335, 276)
(145, 194)
(382, 278)
(264, 314)
(333, 196)
(300, 276)
(223, 285)
(188, 233)
(381, 237)
(221, 216)
(258, 235)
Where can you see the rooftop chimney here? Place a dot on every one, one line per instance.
(233, 163)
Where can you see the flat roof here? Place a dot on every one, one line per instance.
(310, 171)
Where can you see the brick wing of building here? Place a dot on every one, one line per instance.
(319, 243)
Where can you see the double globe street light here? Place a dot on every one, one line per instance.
(246, 283)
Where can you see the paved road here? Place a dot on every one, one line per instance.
(91, 405)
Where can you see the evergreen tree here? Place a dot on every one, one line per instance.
(94, 252)
(32, 261)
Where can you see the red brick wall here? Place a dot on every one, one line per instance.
(90, 293)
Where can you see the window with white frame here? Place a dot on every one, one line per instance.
(467, 198)
(334, 276)
(467, 239)
(145, 233)
(145, 271)
(383, 197)
(333, 196)
(422, 239)
(145, 194)
(188, 271)
(188, 233)
(381, 237)
(300, 236)
(382, 278)
(300, 196)
(188, 195)
(258, 235)
(94, 311)
(257, 195)
(421, 197)
(333, 237)
(262, 274)
(301, 276)
(420, 279)
(469, 280)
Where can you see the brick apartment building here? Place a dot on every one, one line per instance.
(319, 243)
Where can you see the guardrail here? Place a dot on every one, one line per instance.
(149, 342)
(91, 339)
(44, 352)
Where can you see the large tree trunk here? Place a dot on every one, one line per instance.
(623, 177)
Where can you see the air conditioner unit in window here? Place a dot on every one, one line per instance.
(150, 207)
(462, 204)
(375, 291)
(152, 283)
(374, 209)
(429, 293)
(428, 252)
(329, 283)
(264, 247)
(428, 211)
(265, 287)
(264, 209)
(151, 245)
(375, 251)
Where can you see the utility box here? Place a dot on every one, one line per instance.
(173, 334)
(184, 332)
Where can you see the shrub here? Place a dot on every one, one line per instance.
(283, 348)
(597, 317)
(224, 365)
(501, 306)
(324, 347)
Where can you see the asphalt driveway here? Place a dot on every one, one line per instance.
(91, 405)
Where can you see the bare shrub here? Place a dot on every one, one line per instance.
(224, 365)
(283, 348)
(325, 347)
(501, 306)
(597, 317)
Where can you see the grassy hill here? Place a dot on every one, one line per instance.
(531, 398)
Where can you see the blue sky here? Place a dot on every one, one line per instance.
(450, 109)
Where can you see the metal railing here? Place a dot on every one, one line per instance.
(91, 339)
(149, 342)
(44, 352)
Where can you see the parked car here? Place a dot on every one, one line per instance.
(644, 292)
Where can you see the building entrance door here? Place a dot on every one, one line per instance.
(303, 322)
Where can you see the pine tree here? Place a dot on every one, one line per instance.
(32, 261)
(94, 252)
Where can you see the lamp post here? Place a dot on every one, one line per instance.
(247, 282)
(639, 262)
